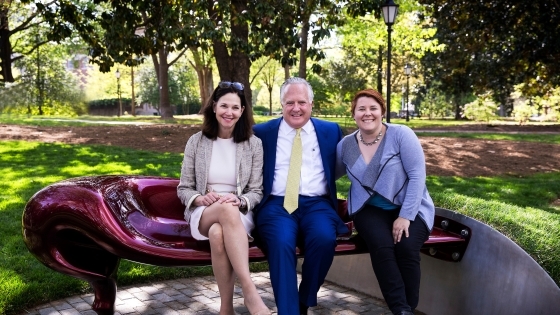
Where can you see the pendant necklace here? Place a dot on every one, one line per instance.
(374, 141)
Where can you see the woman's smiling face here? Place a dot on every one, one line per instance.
(228, 110)
(368, 113)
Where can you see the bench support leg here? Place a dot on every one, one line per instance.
(105, 290)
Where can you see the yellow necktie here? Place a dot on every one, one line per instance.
(292, 184)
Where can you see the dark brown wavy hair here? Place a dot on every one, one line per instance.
(243, 129)
(369, 93)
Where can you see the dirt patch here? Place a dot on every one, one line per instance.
(444, 156)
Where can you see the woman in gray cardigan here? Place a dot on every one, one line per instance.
(388, 198)
(220, 185)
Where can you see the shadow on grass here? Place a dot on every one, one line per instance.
(27, 167)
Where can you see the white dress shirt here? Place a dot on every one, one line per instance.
(312, 178)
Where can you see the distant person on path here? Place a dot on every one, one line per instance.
(388, 199)
(220, 185)
(298, 207)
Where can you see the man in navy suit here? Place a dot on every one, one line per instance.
(315, 224)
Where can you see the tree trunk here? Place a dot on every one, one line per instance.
(286, 66)
(457, 107)
(5, 48)
(303, 50)
(287, 72)
(205, 79)
(39, 83)
(234, 66)
(165, 109)
(207, 84)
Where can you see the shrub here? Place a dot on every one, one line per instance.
(481, 109)
(522, 113)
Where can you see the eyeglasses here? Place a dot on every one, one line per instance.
(226, 84)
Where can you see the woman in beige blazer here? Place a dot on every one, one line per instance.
(220, 185)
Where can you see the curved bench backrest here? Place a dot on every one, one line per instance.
(160, 198)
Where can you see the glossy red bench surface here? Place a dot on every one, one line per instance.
(84, 226)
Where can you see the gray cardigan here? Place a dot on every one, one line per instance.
(397, 172)
(196, 163)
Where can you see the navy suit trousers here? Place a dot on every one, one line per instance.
(313, 229)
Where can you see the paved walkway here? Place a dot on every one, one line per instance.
(200, 296)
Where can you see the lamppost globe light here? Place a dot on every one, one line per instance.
(389, 14)
(117, 74)
(389, 11)
(407, 69)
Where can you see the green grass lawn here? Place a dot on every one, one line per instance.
(29, 166)
(519, 207)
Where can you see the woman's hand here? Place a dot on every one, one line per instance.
(399, 226)
(212, 197)
(230, 198)
(206, 200)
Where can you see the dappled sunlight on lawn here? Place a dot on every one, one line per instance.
(27, 167)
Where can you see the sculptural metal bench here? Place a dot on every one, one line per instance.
(82, 227)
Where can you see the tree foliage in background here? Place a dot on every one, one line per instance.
(183, 90)
(318, 17)
(237, 32)
(364, 41)
(494, 45)
(269, 78)
(320, 92)
(18, 26)
(523, 112)
(45, 86)
(123, 32)
(343, 79)
(433, 103)
(482, 109)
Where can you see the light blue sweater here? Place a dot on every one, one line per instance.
(397, 172)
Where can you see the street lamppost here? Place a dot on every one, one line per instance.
(118, 76)
(407, 70)
(389, 14)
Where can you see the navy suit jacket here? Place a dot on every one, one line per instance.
(328, 136)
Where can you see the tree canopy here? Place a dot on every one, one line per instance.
(21, 32)
(237, 31)
(494, 45)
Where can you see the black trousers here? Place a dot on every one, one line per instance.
(396, 266)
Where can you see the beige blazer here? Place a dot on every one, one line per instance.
(196, 163)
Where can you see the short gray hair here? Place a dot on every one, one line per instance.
(295, 80)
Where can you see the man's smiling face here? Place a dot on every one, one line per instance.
(296, 106)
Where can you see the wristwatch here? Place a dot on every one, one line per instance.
(242, 205)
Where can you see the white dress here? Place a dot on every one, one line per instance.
(221, 179)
